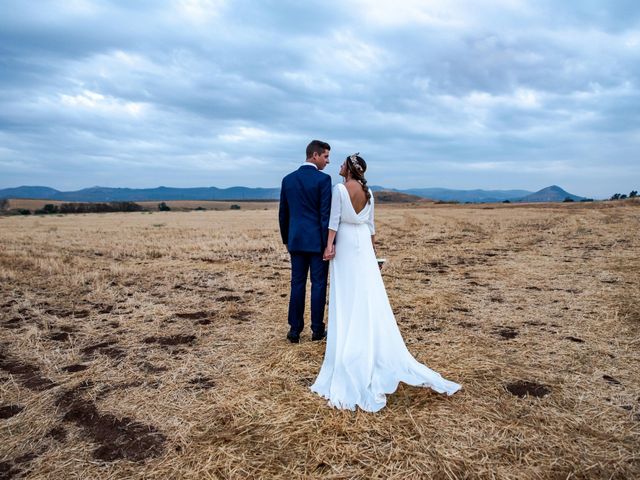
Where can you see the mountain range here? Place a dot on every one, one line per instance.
(108, 194)
(553, 193)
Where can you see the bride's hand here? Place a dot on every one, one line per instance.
(329, 253)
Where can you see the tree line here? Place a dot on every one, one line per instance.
(622, 196)
(90, 207)
(87, 207)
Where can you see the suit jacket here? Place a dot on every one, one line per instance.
(305, 205)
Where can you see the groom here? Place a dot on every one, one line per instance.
(305, 204)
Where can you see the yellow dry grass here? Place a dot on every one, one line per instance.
(152, 346)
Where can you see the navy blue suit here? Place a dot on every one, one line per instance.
(305, 205)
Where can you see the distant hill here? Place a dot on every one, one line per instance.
(28, 192)
(108, 194)
(553, 193)
(474, 196)
(462, 196)
(389, 196)
(548, 194)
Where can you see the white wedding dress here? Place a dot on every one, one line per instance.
(366, 356)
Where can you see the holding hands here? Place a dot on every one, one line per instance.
(329, 253)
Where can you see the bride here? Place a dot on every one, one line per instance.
(366, 356)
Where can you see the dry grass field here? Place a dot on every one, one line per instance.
(138, 345)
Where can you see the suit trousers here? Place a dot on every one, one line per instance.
(301, 263)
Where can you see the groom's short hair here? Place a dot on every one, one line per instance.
(317, 146)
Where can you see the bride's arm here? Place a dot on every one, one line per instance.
(371, 225)
(334, 222)
(332, 237)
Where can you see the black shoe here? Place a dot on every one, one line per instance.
(293, 338)
(316, 337)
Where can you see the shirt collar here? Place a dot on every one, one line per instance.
(309, 163)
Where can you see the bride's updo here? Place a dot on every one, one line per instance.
(357, 166)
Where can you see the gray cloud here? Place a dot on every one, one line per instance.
(495, 94)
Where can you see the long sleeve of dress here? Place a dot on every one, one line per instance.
(336, 209)
(370, 222)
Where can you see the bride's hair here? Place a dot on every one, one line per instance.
(357, 166)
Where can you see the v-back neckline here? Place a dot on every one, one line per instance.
(351, 203)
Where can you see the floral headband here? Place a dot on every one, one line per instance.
(353, 160)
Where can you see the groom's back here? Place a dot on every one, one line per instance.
(304, 209)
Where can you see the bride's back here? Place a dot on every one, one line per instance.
(357, 195)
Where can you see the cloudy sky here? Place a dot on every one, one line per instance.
(433, 93)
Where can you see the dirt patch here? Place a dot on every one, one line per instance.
(91, 349)
(229, 298)
(118, 438)
(611, 380)
(150, 368)
(437, 264)
(67, 313)
(507, 333)
(574, 339)
(9, 411)
(104, 390)
(113, 353)
(75, 368)
(28, 375)
(58, 433)
(26, 458)
(202, 382)
(7, 471)
(522, 388)
(104, 348)
(210, 260)
(193, 315)
(59, 336)
(431, 329)
(242, 315)
(467, 324)
(13, 323)
(171, 340)
(306, 381)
